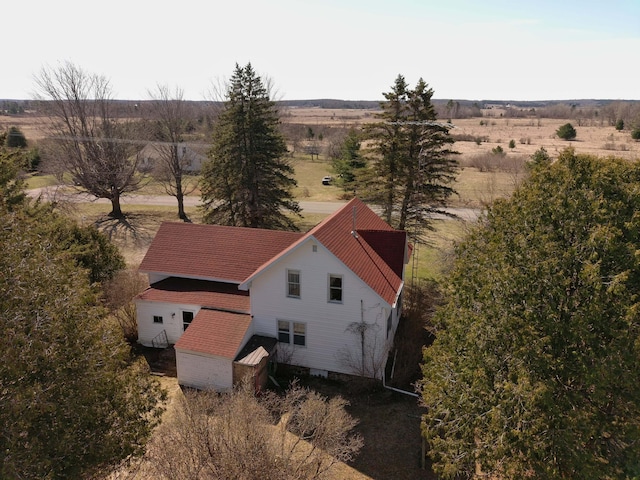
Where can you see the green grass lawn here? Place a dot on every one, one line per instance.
(40, 181)
(308, 174)
(477, 188)
(432, 260)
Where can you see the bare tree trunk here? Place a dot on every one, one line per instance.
(181, 213)
(116, 211)
(171, 115)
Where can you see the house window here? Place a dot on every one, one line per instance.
(293, 283)
(389, 323)
(335, 288)
(157, 319)
(283, 331)
(187, 318)
(299, 334)
(292, 332)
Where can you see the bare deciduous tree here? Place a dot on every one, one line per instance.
(96, 148)
(170, 124)
(118, 296)
(300, 435)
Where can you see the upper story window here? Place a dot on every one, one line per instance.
(157, 319)
(293, 283)
(335, 288)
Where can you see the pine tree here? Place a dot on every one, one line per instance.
(566, 132)
(248, 181)
(351, 162)
(413, 166)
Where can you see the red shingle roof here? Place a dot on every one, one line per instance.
(389, 244)
(225, 296)
(376, 254)
(213, 252)
(213, 332)
(354, 250)
(377, 264)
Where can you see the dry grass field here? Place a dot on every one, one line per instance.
(529, 134)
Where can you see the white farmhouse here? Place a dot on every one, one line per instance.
(232, 299)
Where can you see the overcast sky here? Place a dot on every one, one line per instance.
(340, 49)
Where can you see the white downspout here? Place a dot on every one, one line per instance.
(393, 389)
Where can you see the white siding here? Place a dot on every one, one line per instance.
(171, 320)
(204, 372)
(328, 340)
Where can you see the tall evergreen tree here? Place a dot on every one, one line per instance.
(248, 181)
(12, 194)
(351, 162)
(413, 166)
(536, 365)
(73, 401)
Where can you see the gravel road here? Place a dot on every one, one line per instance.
(55, 193)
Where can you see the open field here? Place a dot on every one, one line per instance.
(530, 134)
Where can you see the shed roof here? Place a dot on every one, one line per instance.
(256, 349)
(215, 332)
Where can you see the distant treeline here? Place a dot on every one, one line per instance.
(584, 111)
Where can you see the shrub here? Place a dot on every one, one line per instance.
(620, 124)
(15, 138)
(635, 134)
(497, 150)
(512, 143)
(300, 434)
(566, 132)
(467, 137)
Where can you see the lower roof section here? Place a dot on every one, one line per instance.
(215, 332)
(219, 295)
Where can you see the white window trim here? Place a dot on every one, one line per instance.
(291, 332)
(292, 270)
(329, 288)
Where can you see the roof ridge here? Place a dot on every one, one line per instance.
(333, 216)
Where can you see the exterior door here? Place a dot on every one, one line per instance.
(187, 318)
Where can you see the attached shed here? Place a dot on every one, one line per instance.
(206, 350)
(253, 361)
